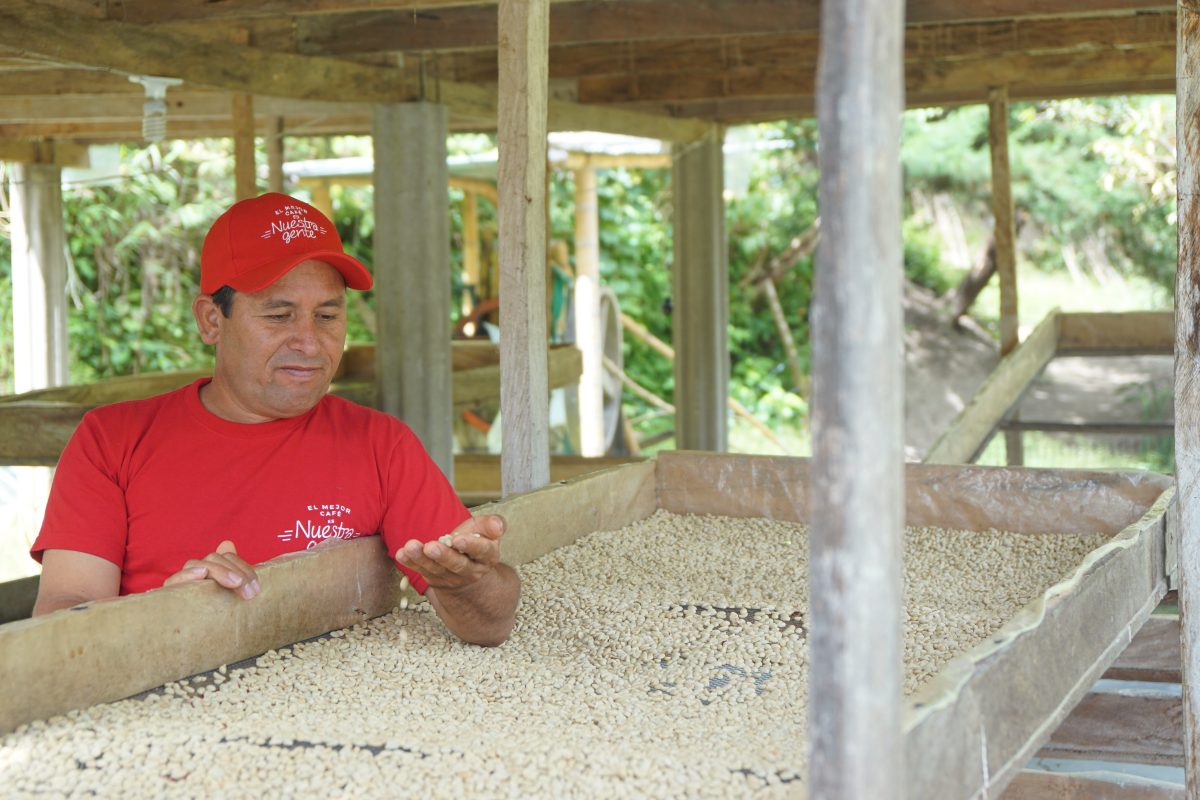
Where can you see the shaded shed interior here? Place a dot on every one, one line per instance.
(64, 63)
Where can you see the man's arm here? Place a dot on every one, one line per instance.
(472, 591)
(70, 577)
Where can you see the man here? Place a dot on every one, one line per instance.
(260, 460)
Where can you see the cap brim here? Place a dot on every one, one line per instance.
(352, 270)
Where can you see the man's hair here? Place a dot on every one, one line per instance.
(223, 299)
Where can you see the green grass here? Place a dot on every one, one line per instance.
(1040, 292)
(1075, 451)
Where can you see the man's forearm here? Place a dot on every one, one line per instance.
(484, 612)
(47, 603)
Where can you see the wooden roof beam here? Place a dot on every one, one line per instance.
(927, 79)
(916, 12)
(469, 27)
(59, 154)
(137, 49)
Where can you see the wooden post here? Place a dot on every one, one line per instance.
(701, 292)
(524, 40)
(472, 267)
(412, 273)
(322, 196)
(588, 331)
(39, 276)
(855, 576)
(245, 179)
(39, 294)
(1005, 243)
(1187, 372)
(275, 155)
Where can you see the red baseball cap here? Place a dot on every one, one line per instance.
(256, 241)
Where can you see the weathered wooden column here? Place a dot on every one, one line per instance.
(1005, 238)
(275, 155)
(39, 276)
(1187, 373)
(588, 331)
(701, 294)
(412, 273)
(472, 267)
(855, 578)
(524, 39)
(245, 177)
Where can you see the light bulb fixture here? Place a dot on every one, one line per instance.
(154, 110)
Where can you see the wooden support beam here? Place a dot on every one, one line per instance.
(275, 155)
(1116, 333)
(1187, 373)
(700, 278)
(150, 11)
(39, 277)
(35, 433)
(244, 167)
(1003, 248)
(474, 26)
(1139, 725)
(138, 49)
(37, 425)
(472, 267)
(412, 267)
(77, 657)
(1153, 655)
(918, 12)
(1038, 785)
(966, 435)
(856, 748)
(521, 139)
(56, 154)
(588, 327)
(1002, 212)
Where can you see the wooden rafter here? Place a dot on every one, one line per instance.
(137, 49)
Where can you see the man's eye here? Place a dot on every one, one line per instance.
(277, 317)
(328, 317)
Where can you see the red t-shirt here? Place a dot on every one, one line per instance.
(148, 484)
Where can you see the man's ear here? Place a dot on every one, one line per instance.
(208, 318)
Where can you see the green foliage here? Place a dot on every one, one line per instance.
(1094, 177)
(923, 262)
(779, 205)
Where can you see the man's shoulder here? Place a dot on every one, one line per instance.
(345, 411)
(144, 408)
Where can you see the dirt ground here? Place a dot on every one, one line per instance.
(946, 365)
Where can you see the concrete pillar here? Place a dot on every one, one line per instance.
(701, 296)
(412, 273)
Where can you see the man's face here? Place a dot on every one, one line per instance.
(278, 350)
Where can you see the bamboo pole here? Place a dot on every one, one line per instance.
(1187, 374)
(855, 578)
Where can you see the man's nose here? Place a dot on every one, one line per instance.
(304, 336)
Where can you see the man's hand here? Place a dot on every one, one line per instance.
(471, 590)
(223, 566)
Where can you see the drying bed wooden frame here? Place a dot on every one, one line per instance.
(969, 731)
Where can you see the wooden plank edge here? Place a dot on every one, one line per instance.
(1033, 784)
(1135, 727)
(112, 649)
(969, 431)
(1116, 333)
